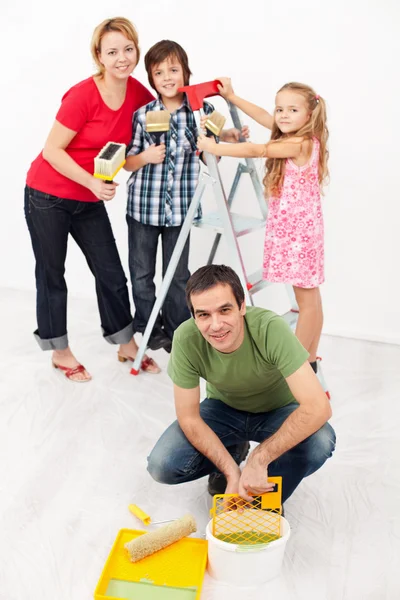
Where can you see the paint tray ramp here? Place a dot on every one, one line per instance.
(174, 573)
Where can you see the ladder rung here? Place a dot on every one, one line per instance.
(291, 317)
(256, 282)
(241, 224)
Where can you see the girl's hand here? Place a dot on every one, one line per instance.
(233, 135)
(102, 190)
(225, 89)
(206, 144)
(154, 155)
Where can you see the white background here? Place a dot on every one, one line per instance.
(73, 456)
(348, 51)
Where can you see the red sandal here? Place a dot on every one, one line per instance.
(70, 371)
(145, 364)
(149, 362)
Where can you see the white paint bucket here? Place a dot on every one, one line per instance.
(246, 565)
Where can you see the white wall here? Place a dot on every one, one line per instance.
(348, 50)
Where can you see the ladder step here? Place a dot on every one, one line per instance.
(241, 224)
(255, 282)
(291, 318)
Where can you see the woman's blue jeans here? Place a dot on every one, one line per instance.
(50, 220)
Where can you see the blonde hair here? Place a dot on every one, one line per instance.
(120, 24)
(314, 127)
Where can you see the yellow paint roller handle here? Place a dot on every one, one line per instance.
(140, 514)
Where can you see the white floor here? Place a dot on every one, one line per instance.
(74, 456)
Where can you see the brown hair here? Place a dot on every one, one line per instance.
(209, 276)
(160, 52)
(120, 24)
(315, 127)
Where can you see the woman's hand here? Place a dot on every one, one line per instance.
(206, 144)
(102, 190)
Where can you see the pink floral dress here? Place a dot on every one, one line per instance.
(294, 239)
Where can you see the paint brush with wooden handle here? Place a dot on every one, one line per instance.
(157, 123)
(214, 124)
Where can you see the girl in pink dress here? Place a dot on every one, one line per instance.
(296, 167)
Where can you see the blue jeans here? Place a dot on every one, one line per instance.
(174, 459)
(50, 220)
(143, 242)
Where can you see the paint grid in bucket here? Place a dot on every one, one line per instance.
(238, 521)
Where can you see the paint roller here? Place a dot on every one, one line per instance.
(151, 542)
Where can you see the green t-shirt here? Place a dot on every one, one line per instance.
(252, 378)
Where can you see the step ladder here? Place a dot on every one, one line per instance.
(222, 221)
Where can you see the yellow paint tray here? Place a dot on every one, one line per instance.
(175, 572)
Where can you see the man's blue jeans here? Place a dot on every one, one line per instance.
(174, 459)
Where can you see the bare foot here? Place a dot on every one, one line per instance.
(129, 352)
(65, 358)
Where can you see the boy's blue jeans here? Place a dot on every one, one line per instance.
(174, 459)
(143, 242)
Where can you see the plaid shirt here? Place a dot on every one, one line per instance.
(160, 194)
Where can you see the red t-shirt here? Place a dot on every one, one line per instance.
(84, 111)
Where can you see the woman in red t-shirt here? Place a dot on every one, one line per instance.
(62, 197)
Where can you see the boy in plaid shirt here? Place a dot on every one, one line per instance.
(160, 189)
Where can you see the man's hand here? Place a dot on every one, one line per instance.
(225, 89)
(233, 135)
(233, 488)
(206, 144)
(254, 478)
(154, 154)
(233, 482)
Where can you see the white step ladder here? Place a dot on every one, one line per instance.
(232, 226)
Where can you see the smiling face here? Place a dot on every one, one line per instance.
(291, 111)
(168, 76)
(117, 54)
(219, 318)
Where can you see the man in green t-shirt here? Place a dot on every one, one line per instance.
(260, 387)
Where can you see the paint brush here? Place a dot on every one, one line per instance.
(214, 124)
(157, 123)
(109, 161)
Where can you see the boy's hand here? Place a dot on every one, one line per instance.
(154, 155)
(203, 120)
(206, 144)
(233, 135)
(225, 89)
